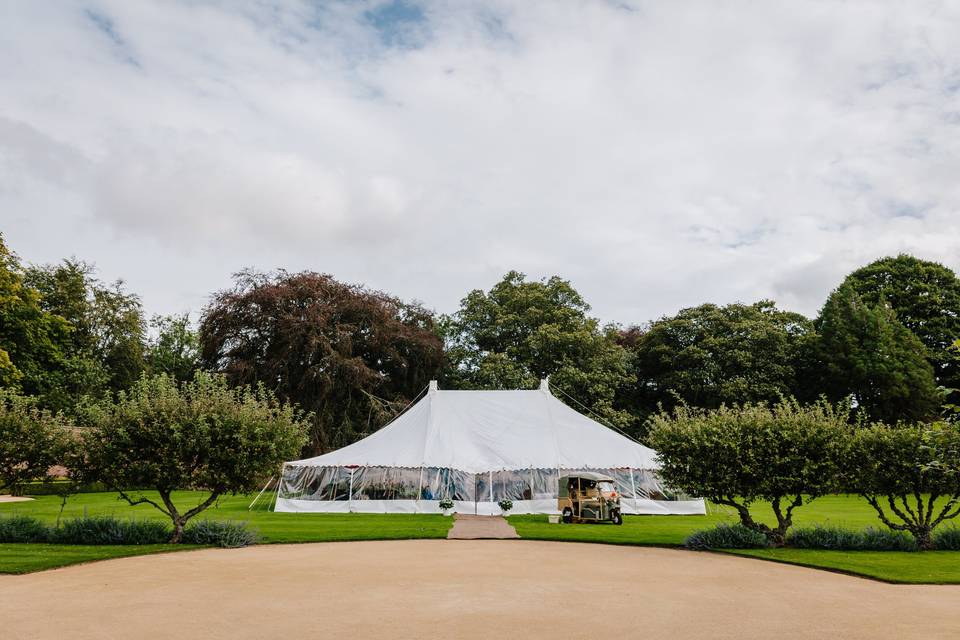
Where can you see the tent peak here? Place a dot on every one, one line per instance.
(545, 384)
(433, 387)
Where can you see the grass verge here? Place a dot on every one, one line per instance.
(28, 557)
(928, 567)
(899, 567)
(271, 527)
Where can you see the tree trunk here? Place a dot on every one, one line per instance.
(777, 537)
(178, 524)
(924, 538)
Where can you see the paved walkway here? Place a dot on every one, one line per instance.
(469, 527)
(471, 589)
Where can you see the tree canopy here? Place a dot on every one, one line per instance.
(351, 356)
(31, 440)
(711, 355)
(785, 453)
(868, 355)
(926, 299)
(32, 339)
(103, 352)
(910, 474)
(175, 347)
(522, 331)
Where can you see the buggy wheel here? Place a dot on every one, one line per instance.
(616, 518)
(567, 515)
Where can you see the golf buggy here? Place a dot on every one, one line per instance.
(588, 497)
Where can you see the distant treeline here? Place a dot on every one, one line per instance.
(354, 357)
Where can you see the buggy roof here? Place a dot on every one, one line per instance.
(587, 475)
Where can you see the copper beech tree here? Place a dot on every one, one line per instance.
(351, 356)
(786, 454)
(161, 437)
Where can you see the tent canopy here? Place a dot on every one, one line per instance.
(481, 431)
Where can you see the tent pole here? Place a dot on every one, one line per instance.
(420, 489)
(491, 486)
(350, 495)
(633, 485)
(260, 494)
(276, 495)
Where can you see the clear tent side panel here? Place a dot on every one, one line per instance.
(330, 483)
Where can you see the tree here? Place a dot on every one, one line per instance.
(31, 440)
(520, 332)
(175, 349)
(926, 298)
(786, 454)
(914, 469)
(31, 338)
(201, 434)
(351, 356)
(709, 355)
(868, 355)
(104, 350)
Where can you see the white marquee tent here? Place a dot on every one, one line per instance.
(476, 448)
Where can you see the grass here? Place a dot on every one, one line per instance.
(26, 557)
(904, 567)
(941, 567)
(272, 527)
(841, 511)
(930, 567)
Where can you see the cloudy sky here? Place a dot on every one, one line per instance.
(658, 154)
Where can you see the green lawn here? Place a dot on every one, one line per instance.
(929, 567)
(842, 511)
(272, 527)
(941, 567)
(847, 511)
(25, 558)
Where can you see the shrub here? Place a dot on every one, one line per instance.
(836, 538)
(947, 539)
(31, 440)
(505, 505)
(226, 534)
(22, 529)
(446, 503)
(110, 530)
(726, 536)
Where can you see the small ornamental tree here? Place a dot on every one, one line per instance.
(910, 474)
(201, 434)
(786, 454)
(31, 440)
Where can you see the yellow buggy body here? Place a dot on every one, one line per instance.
(586, 496)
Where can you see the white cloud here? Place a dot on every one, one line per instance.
(658, 156)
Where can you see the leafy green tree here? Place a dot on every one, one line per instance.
(786, 454)
(926, 298)
(709, 355)
(31, 440)
(520, 332)
(175, 348)
(31, 339)
(351, 356)
(201, 434)
(104, 351)
(868, 355)
(910, 474)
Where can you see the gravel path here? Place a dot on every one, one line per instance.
(468, 527)
(468, 589)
